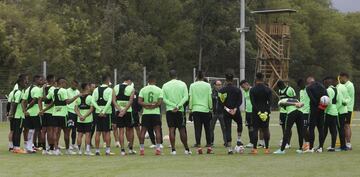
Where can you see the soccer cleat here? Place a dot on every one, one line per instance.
(157, 152)
(173, 153)
(199, 151)
(209, 151)
(287, 146)
(187, 152)
(142, 152)
(305, 147)
(132, 152)
(250, 145)
(279, 151)
(57, 152)
(19, 151)
(110, 153)
(97, 153)
(349, 147)
(11, 149)
(152, 146)
(30, 151)
(319, 150)
(88, 153)
(79, 152)
(71, 147)
(50, 152)
(299, 151)
(331, 150)
(267, 151)
(230, 152)
(70, 152)
(254, 151)
(123, 153)
(61, 147)
(328, 148)
(310, 151)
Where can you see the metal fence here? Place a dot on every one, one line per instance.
(3, 103)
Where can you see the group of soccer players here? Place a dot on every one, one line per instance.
(47, 107)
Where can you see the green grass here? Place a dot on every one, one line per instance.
(219, 164)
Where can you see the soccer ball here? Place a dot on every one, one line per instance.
(239, 149)
(324, 100)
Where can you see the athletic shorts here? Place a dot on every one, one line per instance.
(114, 117)
(260, 123)
(151, 120)
(306, 118)
(282, 118)
(348, 118)
(16, 124)
(46, 119)
(59, 121)
(248, 119)
(175, 119)
(72, 120)
(83, 127)
(33, 122)
(103, 124)
(126, 121)
(11, 124)
(136, 118)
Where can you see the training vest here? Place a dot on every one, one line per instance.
(121, 95)
(83, 105)
(47, 101)
(334, 100)
(57, 101)
(284, 95)
(101, 101)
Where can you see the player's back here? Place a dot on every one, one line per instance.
(260, 96)
(174, 90)
(200, 93)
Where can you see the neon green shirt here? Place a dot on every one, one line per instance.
(290, 93)
(127, 92)
(71, 94)
(342, 108)
(351, 92)
(60, 111)
(17, 97)
(175, 94)
(36, 93)
(88, 101)
(248, 105)
(151, 94)
(48, 96)
(331, 109)
(200, 97)
(107, 97)
(304, 98)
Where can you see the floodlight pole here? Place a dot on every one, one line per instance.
(242, 31)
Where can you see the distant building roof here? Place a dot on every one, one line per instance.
(273, 11)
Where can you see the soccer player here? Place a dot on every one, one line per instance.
(315, 91)
(8, 106)
(343, 113)
(304, 98)
(175, 94)
(72, 117)
(123, 97)
(84, 110)
(283, 94)
(16, 113)
(200, 104)
(248, 110)
(291, 105)
(150, 98)
(136, 108)
(33, 105)
(231, 99)
(344, 79)
(260, 96)
(217, 113)
(101, 100)
(331, 111)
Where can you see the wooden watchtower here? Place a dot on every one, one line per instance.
(273, 38)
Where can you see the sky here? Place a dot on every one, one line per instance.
(347, 5)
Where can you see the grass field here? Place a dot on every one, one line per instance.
(220, 164)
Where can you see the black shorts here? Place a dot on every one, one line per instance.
(151, 120)
(136, 118)
(71, 120)
(248, 119)
(16, 124)
(59, 121)
(126, 121)
(175, 119)
(260, 123)
(46, 119)
(83, 127)
(114, 117)
(306, 118)
(103, 124)
(33, 122)
(282, 118)
(11, 124)
(348, 118)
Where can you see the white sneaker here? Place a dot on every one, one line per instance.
(250, 145)
(239, 149)
(50, 152)
(132, 152)
(123, 153)
(173, 152)
(70, 152)
(57, 152)
(161, 146)
(319, 150)
(348, 145)
(79, 152)
(287, 146)
(188, 152)
(61, 147)
(117, 144)
(71, 147)
(299, 151)
(89, 153)
(309, 151)
(152, 146)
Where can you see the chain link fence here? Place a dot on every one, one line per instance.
(3, 103)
